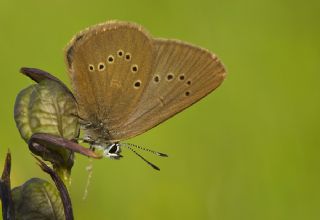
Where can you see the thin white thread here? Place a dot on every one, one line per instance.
(89, 169)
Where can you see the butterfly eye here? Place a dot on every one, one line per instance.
(110, 59)
(101, 66)
(113, 149)
(187, 93)
(91, 68)
(134, 68)
(120, 53)
(128, 56)
(137, 84)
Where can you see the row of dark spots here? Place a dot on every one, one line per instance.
(111, 59)
(170, 77)
(101, 66)
(136, 85)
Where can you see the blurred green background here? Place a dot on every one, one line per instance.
(250, 150)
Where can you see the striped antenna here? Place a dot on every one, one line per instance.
(145, 149)
(144, 159)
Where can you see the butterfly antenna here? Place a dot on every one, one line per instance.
(145, 149)
(144, 159)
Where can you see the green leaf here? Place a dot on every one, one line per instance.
(46, 107)
(37, 199)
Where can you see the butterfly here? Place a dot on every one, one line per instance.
(126, 82)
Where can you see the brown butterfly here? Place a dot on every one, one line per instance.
(126, 82)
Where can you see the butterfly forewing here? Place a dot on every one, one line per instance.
(182, 74)
(110, 66)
